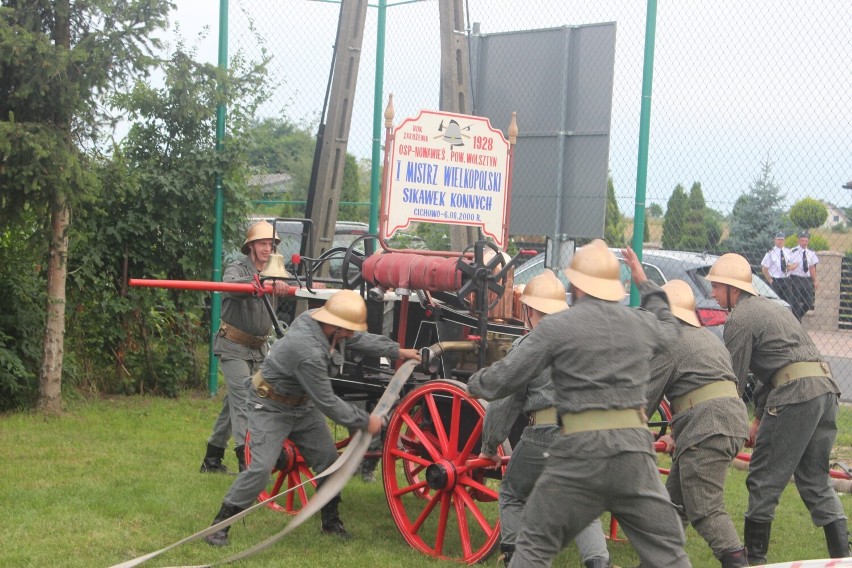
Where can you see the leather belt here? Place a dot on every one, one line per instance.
(716, 389)
(545, 416)
(230, 332)
(589, 420)
(799, 371)
(266, 390)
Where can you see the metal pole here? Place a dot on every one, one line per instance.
(644, 131)
(378, 113)
(216, 298)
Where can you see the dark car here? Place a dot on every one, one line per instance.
(660, 267)
(291, 231)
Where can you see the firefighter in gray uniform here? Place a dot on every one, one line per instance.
(795, 408)
(292, 395)
(709, 426)
(241, 345)
(598, 353)
(544, 295)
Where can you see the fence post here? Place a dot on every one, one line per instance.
(826, 311)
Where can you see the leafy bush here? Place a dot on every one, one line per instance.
(21, 315)
(808, 213)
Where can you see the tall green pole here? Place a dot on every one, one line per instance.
(644, 133)
(378, 115)
(216, 300)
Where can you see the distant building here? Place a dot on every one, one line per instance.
(836, 216)
(272, 184)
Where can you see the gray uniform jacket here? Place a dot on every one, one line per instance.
(599, 353)
(501, 414)
(246, 312)
(697, 359)
(298, 364)
(765, 337)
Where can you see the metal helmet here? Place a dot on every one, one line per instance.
(545, 293)
(260, 230)
(595, 270)
(681, 301)
(345, 309)
(734, 270)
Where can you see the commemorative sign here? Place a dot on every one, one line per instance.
(448, 168)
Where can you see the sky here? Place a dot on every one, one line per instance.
(734, 84)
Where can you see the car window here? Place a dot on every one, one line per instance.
(652, 272)
(532, 268)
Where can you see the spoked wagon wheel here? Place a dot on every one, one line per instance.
(414, 471)
(290, 470)
(442, 505)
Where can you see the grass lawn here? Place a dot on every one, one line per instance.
(117, 478)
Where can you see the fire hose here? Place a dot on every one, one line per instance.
(338, 475)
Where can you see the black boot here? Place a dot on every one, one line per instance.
(331, 523)
(756, 541)
(220, 537)
(837, 539)
(507, 551)
(241, 457)
(597, 562)
(368, 470)
(213, 460)
(735, 559)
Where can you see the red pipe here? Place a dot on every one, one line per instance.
(209, 286)
(833, 473)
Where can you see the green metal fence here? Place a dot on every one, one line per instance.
(749, 111)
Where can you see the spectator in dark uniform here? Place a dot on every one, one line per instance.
(776, 266)
(241, 345)
(598, 353)
(709, 425)
(803, 278)
(544, 295)
(292, 396)
(795, 409)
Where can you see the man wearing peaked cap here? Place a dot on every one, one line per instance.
(776, 266)
(803, 277)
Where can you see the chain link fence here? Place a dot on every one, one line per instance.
(750, 120)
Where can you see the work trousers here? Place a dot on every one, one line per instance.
(269, 424)
(232, 417)
(525, 467)
(783, 287)
(795, 440)
(802, 294)
(627, 484)
(696, 482)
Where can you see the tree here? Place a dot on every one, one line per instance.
(756, 217)
(281, 146)
(654, 210)
(57, 60)
(352, 191)
(675, 218)
(169, 156)
(808, 213)
(615, 224)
